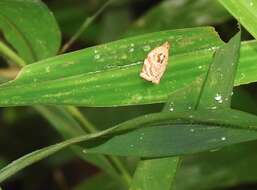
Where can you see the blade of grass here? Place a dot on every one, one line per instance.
(217, 90)
(172, 81)
(84, 26)
(75, 112)
(88, 83)
(76, 84)
(155, 174)
(167, 125)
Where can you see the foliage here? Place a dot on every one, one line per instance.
(196, 92)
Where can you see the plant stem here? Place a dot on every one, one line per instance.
(10, 54)
(125, 174)
(74, 111)
(83, 27)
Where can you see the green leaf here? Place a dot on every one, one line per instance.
(245, 11)
(82, 77)
(219, 169)
(218, 87)
(67, 80)
(246, 72)
(155, 174)
(189, 13)
(164, 134)
(163, 140)
(30, 28)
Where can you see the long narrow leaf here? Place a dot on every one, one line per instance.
(82, 77)
(174, 134)
(154, 174)
(61, 80)
(217, 89)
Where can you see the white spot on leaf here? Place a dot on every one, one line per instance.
(147, 48)
(131, 50)
(218, 98)
(97, 56)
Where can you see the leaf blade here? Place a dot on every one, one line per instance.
(54, 81)
(215, 120)
(113, 81)
(155, 173)
(30, 28)
(218, 87)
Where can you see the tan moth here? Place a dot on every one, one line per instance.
(155, 63)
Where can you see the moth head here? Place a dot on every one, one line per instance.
(166, 45)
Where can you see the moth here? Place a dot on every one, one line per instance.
(155, 63)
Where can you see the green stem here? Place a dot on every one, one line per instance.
(83, 27)
(74, 111)
(10, 54)
(125, 174)
(92, 129)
